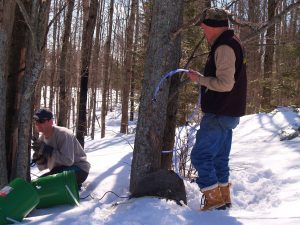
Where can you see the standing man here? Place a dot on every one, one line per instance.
(57, 149)
(223, 102)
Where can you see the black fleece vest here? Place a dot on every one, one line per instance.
(232, 103)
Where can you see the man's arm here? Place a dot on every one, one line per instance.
(225, 70)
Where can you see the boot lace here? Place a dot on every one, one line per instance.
(203, 201)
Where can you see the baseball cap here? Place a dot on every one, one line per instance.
(43, 114)
(214, 17)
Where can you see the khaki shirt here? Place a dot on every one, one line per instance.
(225, 70)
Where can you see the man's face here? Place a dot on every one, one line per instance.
(42, 124)
(208, 32)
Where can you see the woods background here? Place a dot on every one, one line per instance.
(77, 57)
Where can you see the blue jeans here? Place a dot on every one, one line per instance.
(210, 154)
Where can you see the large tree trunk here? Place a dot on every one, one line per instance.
(128, 68)
(163, 55)
(170, 129)
(17, 60)
(63, 102)
(7, 9)
(105, 84)
(34, 65)
(172, 108)
(86, 48)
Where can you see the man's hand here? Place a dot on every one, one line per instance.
(195, 76)
(37, 145)
(38, 159)
(47, 151)
(41, 149)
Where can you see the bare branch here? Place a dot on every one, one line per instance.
(56, 16)
(185, 81)
(27, 21)
(276, 19)
(254, 27)
(186, 26)
(192, 56)
(53, 20)
(230, 4)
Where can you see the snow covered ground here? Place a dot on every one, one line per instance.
(265, 176)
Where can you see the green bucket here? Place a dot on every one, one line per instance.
(57, 189)
(17, 200)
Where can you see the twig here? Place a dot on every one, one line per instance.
(55, 17)
(122, 138)
(276, 19)
(27, 21)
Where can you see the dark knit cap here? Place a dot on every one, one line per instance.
(214, 17)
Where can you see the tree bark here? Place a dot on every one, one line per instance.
(134, 61)
(96, 67)
(268, 59)
(63, 106)
(37, 23)
(254, 60)
(17, 58)
(163, 55)
(128, 68)
(170, 127)
(105, 84)
(87, 39)
(7, 9)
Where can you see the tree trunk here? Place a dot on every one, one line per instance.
(55, 55)
(7, 9)
(17, 60)
(96, 71)
(170, 129)
(63, 106)
(105, 84)
(254, 60)
(134, 59)
(268, 59)
(86, 48)
(34, 64)
(163, 55)
(128, 68)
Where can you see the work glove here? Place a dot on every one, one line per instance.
(39, 159)
(47, 151)
(37, 145)
(41, 147)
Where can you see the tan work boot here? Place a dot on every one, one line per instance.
(225, 191)
(212, 199)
